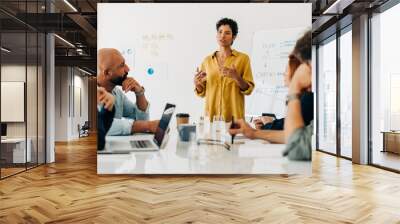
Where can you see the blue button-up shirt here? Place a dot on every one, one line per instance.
(126, 112)
(298, 146)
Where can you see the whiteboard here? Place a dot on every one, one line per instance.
(164, 43)
(12, 101)
(269, 60)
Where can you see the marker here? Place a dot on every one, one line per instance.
(233, 126)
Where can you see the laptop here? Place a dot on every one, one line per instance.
(140, 142)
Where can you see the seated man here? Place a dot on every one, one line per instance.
(129, 117)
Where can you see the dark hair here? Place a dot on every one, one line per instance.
(231, 23)
(302, 49)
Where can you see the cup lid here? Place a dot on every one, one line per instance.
(182, 115)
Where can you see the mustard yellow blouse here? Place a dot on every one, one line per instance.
(222, 94)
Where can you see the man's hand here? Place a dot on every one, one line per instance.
(301, 80)
(105, 98)
(242, 127)
(130, 84)
(200, 80)
(140, 126)
(153, 125)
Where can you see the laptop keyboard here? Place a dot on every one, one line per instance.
(141, 144)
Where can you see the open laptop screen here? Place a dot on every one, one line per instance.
(164, 123)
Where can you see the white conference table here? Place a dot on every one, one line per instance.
(177, 157)
(19, 154)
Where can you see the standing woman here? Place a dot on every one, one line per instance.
(225, 76)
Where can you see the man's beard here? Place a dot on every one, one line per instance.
(119, 80)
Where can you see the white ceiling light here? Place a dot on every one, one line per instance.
(84, 71)
(65, 41)
(70, 5)
(5, 50)
(338, 6)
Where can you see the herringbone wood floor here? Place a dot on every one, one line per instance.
(70, 191)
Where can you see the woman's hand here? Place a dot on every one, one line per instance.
(301, 80)
(233, 74)
(242, 127)
(258, 124)
(200, 80)
(230, 72)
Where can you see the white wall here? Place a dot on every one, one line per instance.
(67, 115)
(61, 103)
(82, 83)
(79, 117)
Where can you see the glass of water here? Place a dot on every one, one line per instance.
(193, 148)
(218, 127)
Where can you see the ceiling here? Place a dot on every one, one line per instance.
(76, 22)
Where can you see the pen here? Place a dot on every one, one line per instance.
(214, 142)
(232, 126)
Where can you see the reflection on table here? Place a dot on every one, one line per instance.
(177, 157)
